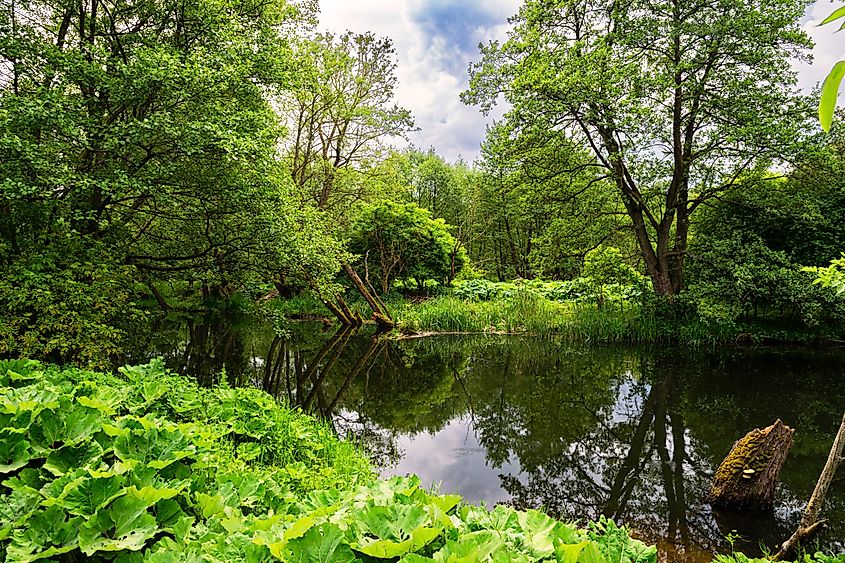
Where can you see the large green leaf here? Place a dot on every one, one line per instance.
(569, 552)
(475, 547)
(541, 533)
(124, 525)
(14, 452)
(92, 494)
(71, 457)
(15, 508)
(830, 92)
(46, 534)
(837, 14)
(322, 544)
(387, 549)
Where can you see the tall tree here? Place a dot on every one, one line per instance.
(137, 145)
(675, 100)
(340, 114)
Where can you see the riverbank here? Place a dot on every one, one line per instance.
(611, 321)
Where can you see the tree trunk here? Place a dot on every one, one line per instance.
(162, 302)
(337, 312)
(810, 523)
(285, 291)
(380, 315)
(746, 479)
(353, 316)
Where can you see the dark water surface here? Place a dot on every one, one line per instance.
(634, 433)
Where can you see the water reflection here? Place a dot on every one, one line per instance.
(630, 433)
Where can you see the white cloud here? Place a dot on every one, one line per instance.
(435, 41)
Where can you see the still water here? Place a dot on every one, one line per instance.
(633, 433)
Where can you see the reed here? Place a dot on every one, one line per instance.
(527, 312)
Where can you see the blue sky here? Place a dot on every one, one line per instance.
(436, 39)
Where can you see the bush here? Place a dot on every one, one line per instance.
(578, 290)
(77, 307)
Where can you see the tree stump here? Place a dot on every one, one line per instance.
(746, 479)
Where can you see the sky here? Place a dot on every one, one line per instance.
(435, 41)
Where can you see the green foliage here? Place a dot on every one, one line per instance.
(403, 241)
(339, 113)
(537, 210)
(660, 101)
(578, 290)
(138, 149)
(830, 92)
(750, 249)
(832, 276)
(148, 467)
(77, 307)
(528, 312)
(605, 265)
(438, 186)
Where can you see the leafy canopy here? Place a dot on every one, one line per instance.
(664, 98)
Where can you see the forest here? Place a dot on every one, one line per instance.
(187, 187)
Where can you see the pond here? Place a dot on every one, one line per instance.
(634, 433)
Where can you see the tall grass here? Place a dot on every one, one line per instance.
(527, 312)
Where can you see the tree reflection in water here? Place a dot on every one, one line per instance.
(633, 434)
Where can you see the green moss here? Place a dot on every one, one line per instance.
(754, 451)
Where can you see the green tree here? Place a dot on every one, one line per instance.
(437, 185)
(137, 146)
(402, 241)
(339, 114)
(665, 96)
(540, 209)
(605, 265)
(750, 246)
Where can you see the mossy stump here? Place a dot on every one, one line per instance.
(746, 479)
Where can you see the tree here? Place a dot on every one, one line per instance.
(750, 245)
(541, 209)
(666, 96)
(400, 241)
(339, 114)
(137, 146)
(605, 265)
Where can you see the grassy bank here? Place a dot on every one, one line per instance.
(567, 310)
(618, 321)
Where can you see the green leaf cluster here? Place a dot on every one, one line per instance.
(577, 290)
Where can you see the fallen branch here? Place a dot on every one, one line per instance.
(810, 523)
